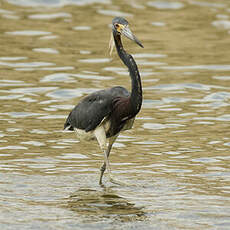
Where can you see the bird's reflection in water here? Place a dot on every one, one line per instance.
(95, 204)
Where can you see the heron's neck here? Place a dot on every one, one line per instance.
(128, 60)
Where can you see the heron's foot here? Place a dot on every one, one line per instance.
(111, 178)
(116, 181)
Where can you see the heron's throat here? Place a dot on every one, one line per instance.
(128, 60)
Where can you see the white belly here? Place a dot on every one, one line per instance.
(88, 136)
(83, 135)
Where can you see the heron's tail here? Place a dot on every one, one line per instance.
(67, 125)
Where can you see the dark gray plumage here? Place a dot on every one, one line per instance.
(90, 111)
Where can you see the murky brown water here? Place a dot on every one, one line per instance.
(177, 154)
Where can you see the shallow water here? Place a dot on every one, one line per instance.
(176, 158)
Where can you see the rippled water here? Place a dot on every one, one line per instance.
(176, 158)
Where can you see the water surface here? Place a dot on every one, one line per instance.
(176, 158)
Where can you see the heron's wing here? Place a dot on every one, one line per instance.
(89, 113)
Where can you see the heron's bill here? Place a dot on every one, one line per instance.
(128, 33)
(111, 44)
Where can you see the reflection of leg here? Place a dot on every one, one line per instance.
(103, 167)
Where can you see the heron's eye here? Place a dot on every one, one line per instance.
(116, 26)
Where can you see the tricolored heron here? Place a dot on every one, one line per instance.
(103, 114)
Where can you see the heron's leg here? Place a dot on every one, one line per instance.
(100, 134)
(103, 167)
(101, 138)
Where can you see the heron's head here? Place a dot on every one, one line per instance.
(120, 26)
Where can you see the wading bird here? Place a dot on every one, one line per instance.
(103, 114)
